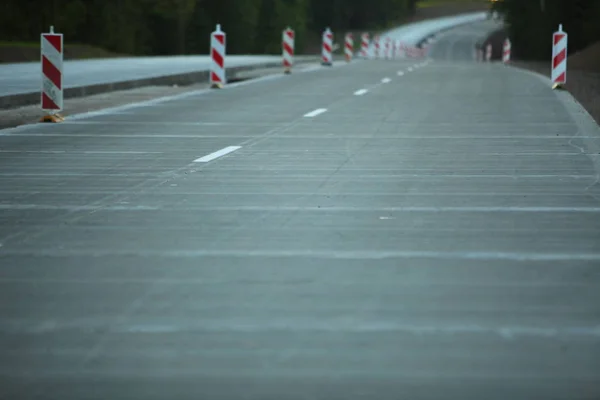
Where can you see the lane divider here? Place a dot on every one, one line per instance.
(217, 154)
(316, 112)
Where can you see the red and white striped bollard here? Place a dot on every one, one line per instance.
(52, 75)
(364, 45)
(288, 50)
(377, 46)
(506, 51)
(327, 58)
(348, 46)
(218, 77)
(559, 58)
(488, 52)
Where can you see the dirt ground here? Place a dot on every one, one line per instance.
(583, 72)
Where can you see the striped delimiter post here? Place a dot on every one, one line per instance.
(377, 46)
(348, 46)
(506, 51)
(52, 75)
(327, 57)
(488, 52)
(364, 45)
(217, 54)
(288, 50)
(559, 58)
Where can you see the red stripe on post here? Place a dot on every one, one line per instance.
(218, 58)
(51, 72)
(562, 78)
(48, 103)
(55, 41)
(215, 78)
(288, 49)
(558, 37)
(220, 38)
(560, 57)
(327, 47)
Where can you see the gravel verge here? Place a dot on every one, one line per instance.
(582, 81)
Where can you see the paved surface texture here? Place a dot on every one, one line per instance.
(432, 235)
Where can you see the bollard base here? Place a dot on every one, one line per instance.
(287, 71)
(558, 86)
(52, 118)
(327, 64)
(216, 86)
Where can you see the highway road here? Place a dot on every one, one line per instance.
(20, 78)
(412, 229)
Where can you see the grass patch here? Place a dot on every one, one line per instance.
(11, 52)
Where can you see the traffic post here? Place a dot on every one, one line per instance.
(327, 57)
(52, 76)
(488, 52)
(349, 46)
(506, 51)
(364, 45)
(217, 55)
(377, 46)
(559, 58)
(288, 50)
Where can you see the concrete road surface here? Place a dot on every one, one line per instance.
(384, 230)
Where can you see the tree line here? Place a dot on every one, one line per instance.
(168, 27)
(531, 24)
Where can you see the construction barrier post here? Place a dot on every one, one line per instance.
(377, 46)
(217, 54)
(349, 47)
(288, 50)
(559, 58)
(488, 53)
(52, 75)
(506, 51)
(327, 57)
(364, 45)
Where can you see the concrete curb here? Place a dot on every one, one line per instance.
(185, 79)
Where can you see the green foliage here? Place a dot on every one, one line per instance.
(165, 27)
(532, 22)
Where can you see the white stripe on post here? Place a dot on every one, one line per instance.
(559, 57)
(217, 54)
(348, 47)
(288, 49)
(327, 57)
(52, 72)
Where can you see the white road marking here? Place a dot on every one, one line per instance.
(386, 80)
(410, 69)
(316, 112)
(360, 92)
(217, 154)
(400, 73)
